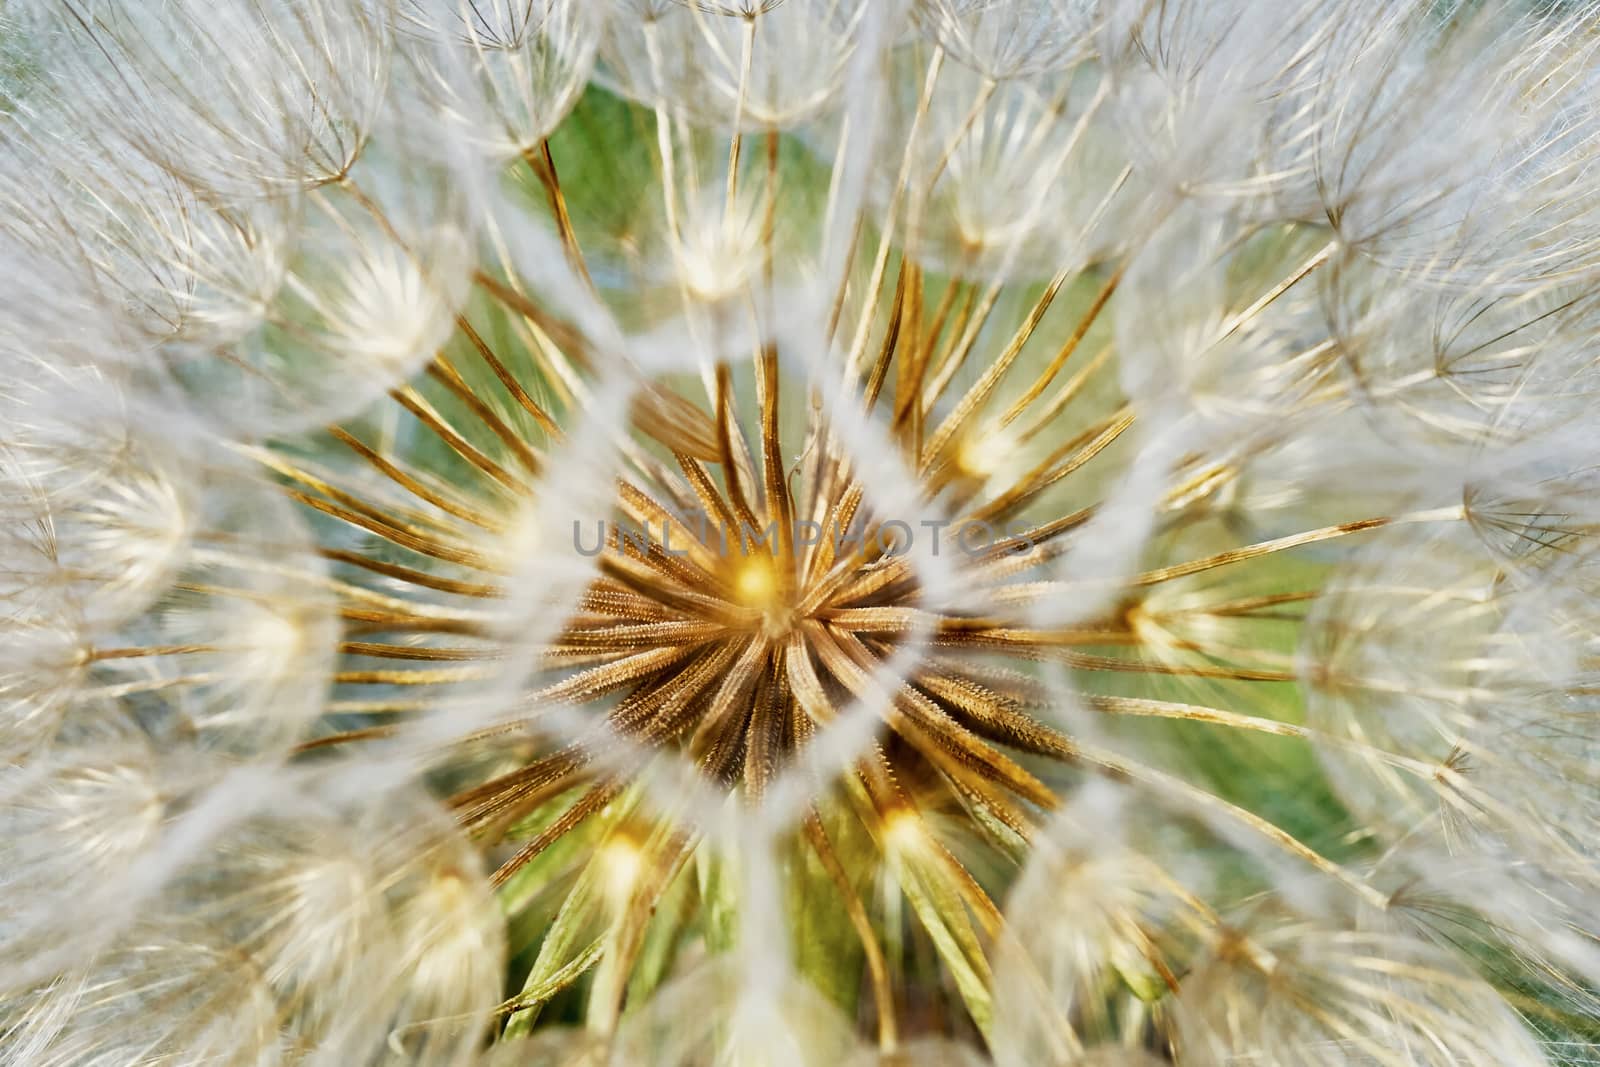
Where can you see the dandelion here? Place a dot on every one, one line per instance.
(798, 532)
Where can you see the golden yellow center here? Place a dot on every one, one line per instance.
(982, 454)
(756, 584)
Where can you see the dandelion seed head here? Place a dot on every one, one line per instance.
(741, 8)
(512, 70)
(753, 1026)
(1004, 39)
(43, 667)
(91, 810)
(719, 249)
(227, 95)
(752, 65)
(158, 995)
(388, 314)
(1244, 1003)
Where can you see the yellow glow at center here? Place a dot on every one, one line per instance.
(904, 832)
(756, 583)
(622, 864)
(982, 454)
